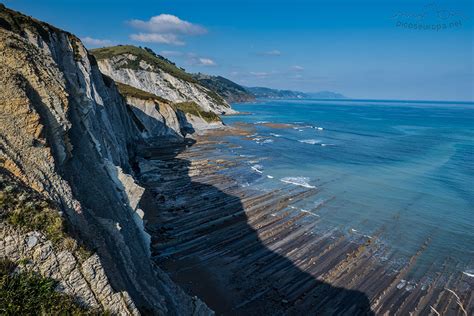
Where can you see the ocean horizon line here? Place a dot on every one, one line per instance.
(367, 100)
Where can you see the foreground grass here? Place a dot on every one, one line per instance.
(27, 210)
(27, 293)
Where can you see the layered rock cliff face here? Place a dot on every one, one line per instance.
(144, 70)
(229, 90)
(158, 117)
(66, 132)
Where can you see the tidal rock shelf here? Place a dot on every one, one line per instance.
(248, 251)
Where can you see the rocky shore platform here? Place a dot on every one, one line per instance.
(246, 251)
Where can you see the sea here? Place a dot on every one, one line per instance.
(398, 172)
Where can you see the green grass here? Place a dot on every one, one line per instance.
(28, 211)
(216, 97)
(27, 293)
(129, 91)
(144, 54)
(194, 109)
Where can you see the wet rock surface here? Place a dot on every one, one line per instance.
(246, 251)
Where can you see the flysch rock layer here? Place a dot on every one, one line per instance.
(66, 132)
(157, 118)
(162, 84)
(85, 280)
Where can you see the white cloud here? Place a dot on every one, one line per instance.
(274, 52)
(168, 24)
(165, 29)
(196, 60)
(206, 62)
(89, 41)
(297, 68)
(170, 39)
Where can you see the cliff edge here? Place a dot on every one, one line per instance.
(67, 133)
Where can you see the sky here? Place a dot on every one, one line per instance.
(362, 49)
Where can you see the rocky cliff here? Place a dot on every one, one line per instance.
(229, 90)
(143, 69)
(268, 93)
(66, 132)
(158, 117)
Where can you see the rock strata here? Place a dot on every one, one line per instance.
(66, 132)
(144, 70)
(85, 280)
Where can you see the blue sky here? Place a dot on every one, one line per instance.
(363, 49)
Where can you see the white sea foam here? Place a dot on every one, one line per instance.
(267, 141)
(409, 287)
(469, 273)
(308, 212)
(310, 141)
(269, 177)
(300, 181)
(319, 128)
(257, 168)
(275, 135)
(401, 284)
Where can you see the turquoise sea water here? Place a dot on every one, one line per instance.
(400, 171)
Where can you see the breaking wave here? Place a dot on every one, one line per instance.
(300, 181)
(310, 141)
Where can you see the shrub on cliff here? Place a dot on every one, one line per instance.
(27, 210)
(194, 109)
(27, 293)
